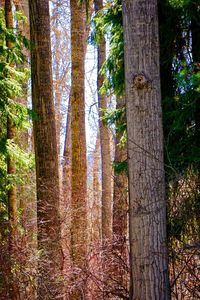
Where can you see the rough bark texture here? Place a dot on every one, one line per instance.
(120, 209)
(79, 169)
(47, 176)
(105, 145)
(145, 152)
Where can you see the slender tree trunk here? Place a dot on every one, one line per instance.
(96, 205)
(120, 205)
(11, 171)
(120, 210)
(67, 159)
(57, 86)
(105, 145)
(145, 152)
(57, 106)
(46, 154)
(66, 193)
(95, 225)
(79, 169)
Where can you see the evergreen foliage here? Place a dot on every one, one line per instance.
(108, 23)
(12, 77)
(180, 91)
(180, 82)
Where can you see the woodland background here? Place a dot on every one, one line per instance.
(69, 216)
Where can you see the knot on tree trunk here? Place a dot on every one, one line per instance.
(140, 82)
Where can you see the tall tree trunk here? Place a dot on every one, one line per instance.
(11, 171)
(145, 151)
(120, 205)
(105, 145)
(79, 169)
(120, 209)
(58, 107)
(66, 192)
(46, 154)
(95, 225)
(96, 204)
(57, 85)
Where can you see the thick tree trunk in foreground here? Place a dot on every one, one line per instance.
(47, 176)
(79, 169)
(105, 145)
(145, 152)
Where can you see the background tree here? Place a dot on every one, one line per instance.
(47, 174)
(104, 142)
(61, 59)
(108, 21)
(79, 168)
